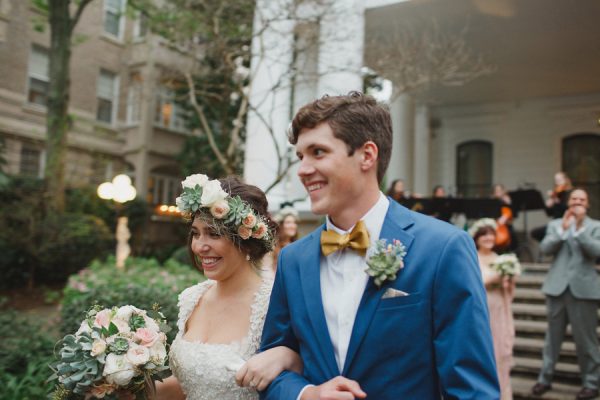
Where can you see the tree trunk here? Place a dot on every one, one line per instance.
(57, 120)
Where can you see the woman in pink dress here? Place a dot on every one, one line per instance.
(500, 294)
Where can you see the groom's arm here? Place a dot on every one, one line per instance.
(278, 331)
(463, 344)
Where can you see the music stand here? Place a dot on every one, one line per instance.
(524, 201)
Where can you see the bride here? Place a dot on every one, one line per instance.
(221, 319)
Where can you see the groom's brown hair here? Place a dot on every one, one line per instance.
(354, 118)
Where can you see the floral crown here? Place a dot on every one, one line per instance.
(202, 195)
(482, 223)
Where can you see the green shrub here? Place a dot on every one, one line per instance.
(142, 283)
(182, 256)
(70, 242)
(26, 351)
(39, 248)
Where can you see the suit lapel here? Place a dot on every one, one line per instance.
(396, 221)
(310, 278)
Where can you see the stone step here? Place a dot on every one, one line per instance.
(534, 311)
(532, 326)
(560, 391)
(532, 366)
(529, 295)
(536, 345)
(531, 280)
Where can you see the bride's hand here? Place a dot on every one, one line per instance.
(260, 370)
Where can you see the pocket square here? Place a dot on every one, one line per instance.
(391, 293)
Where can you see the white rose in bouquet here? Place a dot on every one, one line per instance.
(125, 312)
(118, 370)
(138, 355)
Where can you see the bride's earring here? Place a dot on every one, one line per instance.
(247, 257)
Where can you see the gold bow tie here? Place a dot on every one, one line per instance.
(358, 240)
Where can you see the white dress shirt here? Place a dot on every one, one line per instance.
(343, 281)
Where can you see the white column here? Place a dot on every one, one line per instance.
(270, 96)
(421, 152)
(402, 111)
(342, 35)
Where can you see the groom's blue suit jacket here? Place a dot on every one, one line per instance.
(434, 343)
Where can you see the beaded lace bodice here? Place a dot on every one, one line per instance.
(207, 371)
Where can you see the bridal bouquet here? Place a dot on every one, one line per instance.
(507, 265)
(115, 354)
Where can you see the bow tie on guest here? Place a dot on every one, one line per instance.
(357, 239)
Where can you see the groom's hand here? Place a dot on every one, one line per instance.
(338, 388)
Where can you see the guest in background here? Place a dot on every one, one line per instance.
(396, 191)
(439, 208)
(287, 231)
(572, 289)
(439, 191)
(500, 293)
(556, 203)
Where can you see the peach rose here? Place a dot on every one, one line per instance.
(146, 337)
(99, 391)
(260, 230)
(249, 220)
(220, 209)
(102, 318)
(244, 232)
(98, 347)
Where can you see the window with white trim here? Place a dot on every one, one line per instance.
(134, 97)
(107, 89)
(163, 189)
(140, 27)
(31, 162)
(169, 114)
(39, 80)
(114, 21)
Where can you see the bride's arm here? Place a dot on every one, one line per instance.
(169, 389)
(262, 368)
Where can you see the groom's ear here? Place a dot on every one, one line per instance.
(369, 154)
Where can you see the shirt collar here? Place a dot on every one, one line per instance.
(373, 219)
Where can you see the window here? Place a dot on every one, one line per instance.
(169, 114)
(140, 29)
(134, 97)
(581, 162)
(31, 161)
(107, 90)
(474, 169)
(163, 189)
(38, 76)
(113, 17)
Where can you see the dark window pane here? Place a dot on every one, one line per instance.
(581, 162)
(38, 92)
(30, 162)
(112, 22)
(474, 169)
(104, 113)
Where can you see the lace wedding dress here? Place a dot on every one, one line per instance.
(207, 371)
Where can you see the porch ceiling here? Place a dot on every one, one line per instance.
(540, 48)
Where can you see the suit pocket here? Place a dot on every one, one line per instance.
(400, 301)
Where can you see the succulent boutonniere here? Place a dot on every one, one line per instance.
(385, 260)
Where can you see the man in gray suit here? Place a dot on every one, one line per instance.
(572, 290)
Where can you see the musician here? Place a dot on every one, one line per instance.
(506, 237)
(556, 203)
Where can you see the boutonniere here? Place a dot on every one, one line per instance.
(385, 260)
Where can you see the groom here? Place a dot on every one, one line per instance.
(423, 335)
